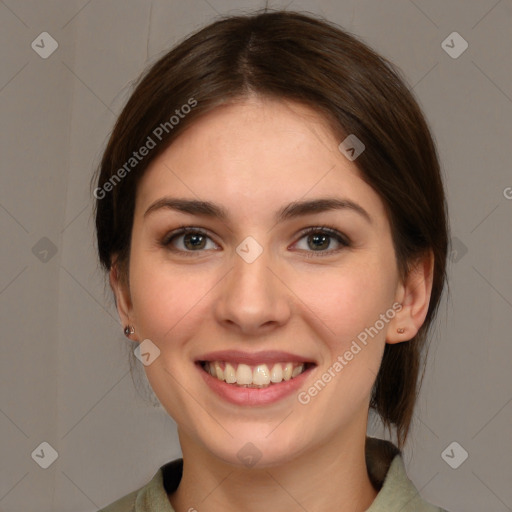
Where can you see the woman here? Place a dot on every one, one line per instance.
(272, 216)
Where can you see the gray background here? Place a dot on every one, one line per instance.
(64, 370)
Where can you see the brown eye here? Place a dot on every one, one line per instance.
(319, 240)
(186, 239)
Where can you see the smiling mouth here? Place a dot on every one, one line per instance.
(254, 376)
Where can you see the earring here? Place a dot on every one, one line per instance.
(128, 330)
(401, 330)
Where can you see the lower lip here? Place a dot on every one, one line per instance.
(254, 396)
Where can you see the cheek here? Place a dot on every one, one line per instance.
(346, 300)
(166, 301)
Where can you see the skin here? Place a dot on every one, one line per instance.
(253, 157)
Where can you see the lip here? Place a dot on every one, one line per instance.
(262, 357)
(254, 396)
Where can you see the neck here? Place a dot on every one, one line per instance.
(330, 477)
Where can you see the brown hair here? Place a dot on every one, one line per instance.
(289, 55)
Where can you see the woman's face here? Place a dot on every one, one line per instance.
(256, 285)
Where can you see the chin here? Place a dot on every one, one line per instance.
(252, 449)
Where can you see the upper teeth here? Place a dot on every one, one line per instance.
(259, 375)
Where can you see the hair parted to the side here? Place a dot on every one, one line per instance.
(295, 56)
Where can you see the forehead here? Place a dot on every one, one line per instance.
(255, 155)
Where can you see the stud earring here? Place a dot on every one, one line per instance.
(128, 330)
(401, 330)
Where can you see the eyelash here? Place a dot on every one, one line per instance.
(327, 230)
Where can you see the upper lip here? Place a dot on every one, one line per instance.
(266, 356)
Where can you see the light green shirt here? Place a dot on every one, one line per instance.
(396, 493)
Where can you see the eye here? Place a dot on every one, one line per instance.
(320, 238)
(192, 240)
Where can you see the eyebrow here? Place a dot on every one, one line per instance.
(290, 211)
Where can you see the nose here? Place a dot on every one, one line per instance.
(253, 298)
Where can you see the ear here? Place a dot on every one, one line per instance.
(122, 296)
(414, 295)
